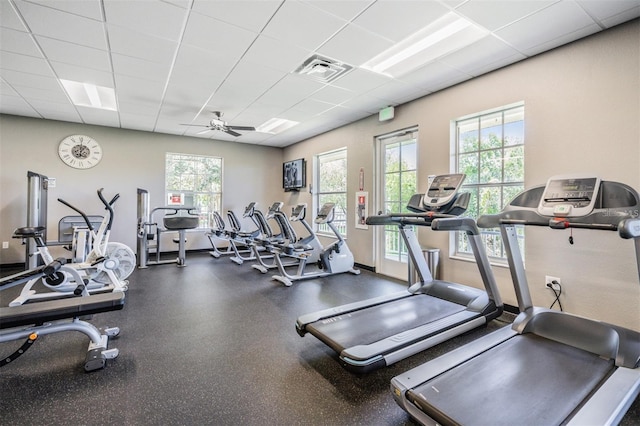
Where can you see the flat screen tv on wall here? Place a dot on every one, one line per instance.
(294, 175)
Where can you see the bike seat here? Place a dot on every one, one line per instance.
(29, 232)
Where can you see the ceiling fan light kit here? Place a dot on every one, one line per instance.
(217, 124)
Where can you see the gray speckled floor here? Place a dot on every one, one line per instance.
(212, 343)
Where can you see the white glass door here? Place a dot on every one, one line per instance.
(397, 175)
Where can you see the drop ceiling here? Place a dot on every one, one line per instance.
(173, 62)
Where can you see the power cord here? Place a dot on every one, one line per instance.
(558, 292)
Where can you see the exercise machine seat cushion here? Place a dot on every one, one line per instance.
(176, 223)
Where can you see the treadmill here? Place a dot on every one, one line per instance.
(549, 367)
(378, 332)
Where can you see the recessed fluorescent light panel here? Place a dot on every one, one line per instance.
(90, 95)
(445, 35)
(276, 125)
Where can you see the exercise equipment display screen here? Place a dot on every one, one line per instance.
(442, 189)
(569, 196)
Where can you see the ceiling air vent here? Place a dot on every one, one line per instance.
(323, 69)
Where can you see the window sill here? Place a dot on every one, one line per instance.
(471, 259)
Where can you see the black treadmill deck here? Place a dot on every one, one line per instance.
(378, 322)
(481, 390)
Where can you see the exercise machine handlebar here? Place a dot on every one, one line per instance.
(108, 206)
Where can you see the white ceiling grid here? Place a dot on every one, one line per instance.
(172, 62)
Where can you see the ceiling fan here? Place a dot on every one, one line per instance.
(217, 123)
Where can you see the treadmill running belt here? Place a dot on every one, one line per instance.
(375, 323)
(527, 380)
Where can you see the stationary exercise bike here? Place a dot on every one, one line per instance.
(105, 268)
(336, 258)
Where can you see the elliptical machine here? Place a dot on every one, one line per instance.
(336, 258)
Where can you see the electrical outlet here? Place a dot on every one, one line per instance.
(5, 244)
(548, 279)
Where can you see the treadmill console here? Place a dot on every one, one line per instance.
(442, 190)
(569, 196)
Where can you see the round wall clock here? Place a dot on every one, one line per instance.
(80, 151)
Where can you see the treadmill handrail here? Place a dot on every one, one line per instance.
(456, 223)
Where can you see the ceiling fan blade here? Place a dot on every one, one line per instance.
(194, 125)
(247, 128)
(232, 133)
(203, 131)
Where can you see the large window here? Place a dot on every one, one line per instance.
(489, 149)
(331, 186)
(194, 181)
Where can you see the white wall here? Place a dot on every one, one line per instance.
(131, 160)
(582, 113)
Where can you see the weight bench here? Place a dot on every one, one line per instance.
(52, 316)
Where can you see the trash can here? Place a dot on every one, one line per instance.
(432, 257)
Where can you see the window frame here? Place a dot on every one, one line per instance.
(507, 188)
(206, 213)
(340, 220)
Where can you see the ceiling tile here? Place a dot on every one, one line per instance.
(216, 36)
(152, 17)
(396, 90)
(225, 63)
(477, 56)
(23, 63)
(82, 74)
(433, 76)
(333, 95)
(558, 20)
(42, 105)
(17, 78)
(135, 67)
(34, 93)
(249, 80)
(6, 89)
(621, 17)
(276, 54)
(60, 114)
(397, 19)
(367, 103)
(63, 26)
(18, 42)
(201, 68)
(346, 10)
(290, 90)
(139, 90)
(502, 12)
(74, 54)
(99, 117)
(87, 8)
(559, 41)
(311, 26)
(137, 121)
(9, 18)
(14, 103)
(360, 81)
(602, 10)
(312, 106)
(252, 15)
(141, 46)
(354, 45)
